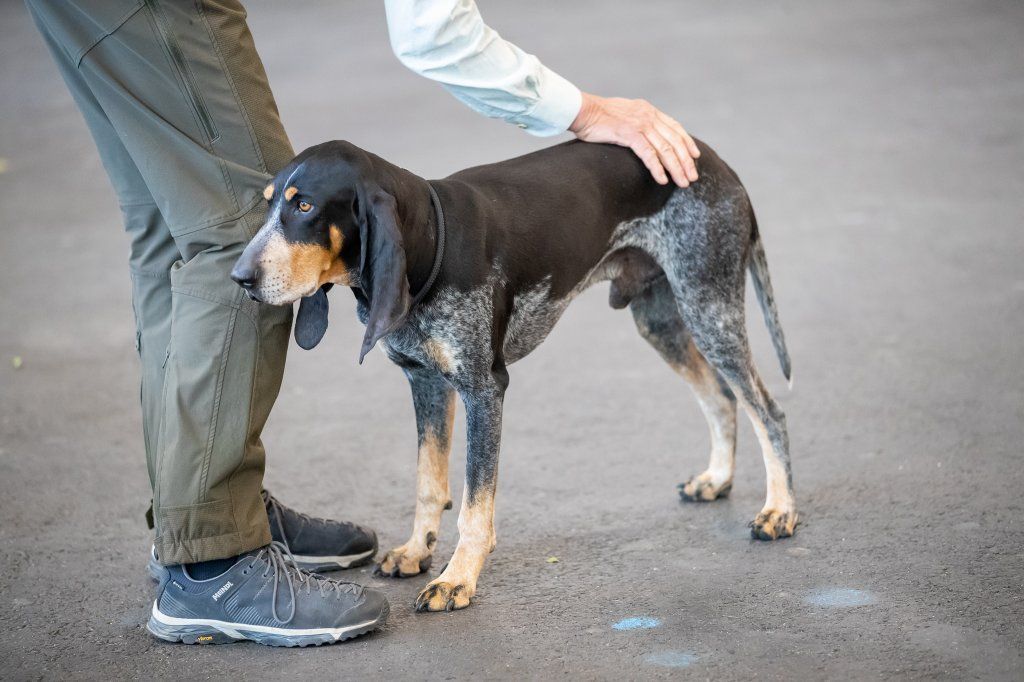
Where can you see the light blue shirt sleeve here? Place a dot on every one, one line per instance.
(447, 41)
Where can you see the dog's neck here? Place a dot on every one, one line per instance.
(417, 219)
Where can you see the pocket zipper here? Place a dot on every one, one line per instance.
(184, 72)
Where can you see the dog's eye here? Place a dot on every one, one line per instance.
(305, 206)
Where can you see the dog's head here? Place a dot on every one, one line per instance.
(328, 222)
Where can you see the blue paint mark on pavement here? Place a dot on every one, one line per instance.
(840, 597)
(672, 659)
(640, 623)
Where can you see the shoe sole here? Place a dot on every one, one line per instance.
(202, 631)
(319, 564)
(316, 564)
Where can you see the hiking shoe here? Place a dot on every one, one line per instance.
(319, 544)
(266, 598)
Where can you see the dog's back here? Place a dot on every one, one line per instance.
(551, 213)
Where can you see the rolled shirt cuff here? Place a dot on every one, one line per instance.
(557, 107)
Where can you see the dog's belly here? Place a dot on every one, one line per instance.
(534, 313)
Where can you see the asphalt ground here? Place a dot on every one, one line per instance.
(883, 146)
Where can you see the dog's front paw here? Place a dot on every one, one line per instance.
(704, 488)
(442, 596)
(402, 562)
(772, 524)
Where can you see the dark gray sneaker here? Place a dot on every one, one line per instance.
(266, 598)
(317, 545)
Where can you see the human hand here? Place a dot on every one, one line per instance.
(657, 138)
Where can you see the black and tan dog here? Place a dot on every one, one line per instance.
(458, 278)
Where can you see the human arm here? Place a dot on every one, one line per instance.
(447, 41)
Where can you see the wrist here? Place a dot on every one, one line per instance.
(588, 107)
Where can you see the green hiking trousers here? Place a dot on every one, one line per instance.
(178, 102)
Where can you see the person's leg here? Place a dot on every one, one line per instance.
(184, 90)
(152, 251)
(212, 361)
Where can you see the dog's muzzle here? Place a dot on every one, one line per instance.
(246, 277)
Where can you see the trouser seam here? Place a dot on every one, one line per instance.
(252, 386)
(163, 33)
(220, 220)
(168, 557)
(211, 298)
(248, 418)
(77, 59)
(166, 274)
(234, 89)
(218, 393)
(161, 457)
(195, 293)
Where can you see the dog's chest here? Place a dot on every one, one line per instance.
(454, 332)
(533, 315)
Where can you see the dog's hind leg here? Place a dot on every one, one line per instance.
(659, 322)
(713, 312)
(434, 400)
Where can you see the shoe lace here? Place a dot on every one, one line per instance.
(281, 563)
(277, 510)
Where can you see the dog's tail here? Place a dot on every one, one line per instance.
(765, 296)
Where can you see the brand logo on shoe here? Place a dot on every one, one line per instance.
(223, 588)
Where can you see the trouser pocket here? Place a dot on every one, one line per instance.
(189, 83)
(201, 431)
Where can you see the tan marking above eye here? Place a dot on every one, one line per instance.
(305, 206)
(290, 192)
(268, 192)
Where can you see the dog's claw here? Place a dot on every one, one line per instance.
(442, 596)
(398, 564)
(772, 525)
(702, 489)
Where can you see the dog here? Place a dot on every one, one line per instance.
(459, 278)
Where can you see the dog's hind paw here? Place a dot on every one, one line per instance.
(401, 563)
(703, 488)
(771, 524)
(441, 596)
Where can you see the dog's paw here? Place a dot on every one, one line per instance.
(704, 488)
(772, 524)
(442, 596)
(403, 563)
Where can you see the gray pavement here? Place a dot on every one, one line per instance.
(883, 146)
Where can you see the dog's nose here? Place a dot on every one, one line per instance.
(247, 277)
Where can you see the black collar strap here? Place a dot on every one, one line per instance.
(439, 250)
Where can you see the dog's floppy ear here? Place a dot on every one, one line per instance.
(311, 321)
(382, 267)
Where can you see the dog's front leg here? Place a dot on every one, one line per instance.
(456, 585)
(434, 400)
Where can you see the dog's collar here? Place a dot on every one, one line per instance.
(438, 251)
